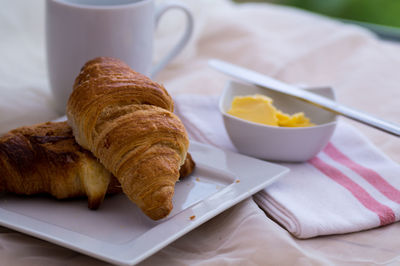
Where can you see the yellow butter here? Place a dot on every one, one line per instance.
(259, 109)
(255, 108)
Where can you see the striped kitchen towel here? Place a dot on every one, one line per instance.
(349, 186)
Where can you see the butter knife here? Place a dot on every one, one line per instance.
(261, 80)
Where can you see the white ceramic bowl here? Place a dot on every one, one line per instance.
(285, 144)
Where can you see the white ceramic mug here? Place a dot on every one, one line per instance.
(80, 30)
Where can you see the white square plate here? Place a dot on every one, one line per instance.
(118, 232)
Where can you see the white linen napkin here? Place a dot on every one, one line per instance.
(349, 186)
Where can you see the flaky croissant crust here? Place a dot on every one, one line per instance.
(127, 121)
(45, 159)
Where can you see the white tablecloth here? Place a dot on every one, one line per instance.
(292, 45)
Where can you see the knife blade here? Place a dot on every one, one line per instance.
(261, 80)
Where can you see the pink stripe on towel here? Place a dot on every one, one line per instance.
(385, 214)
(368, 174)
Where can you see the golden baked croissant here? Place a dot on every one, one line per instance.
(45, 158)
(126, 120)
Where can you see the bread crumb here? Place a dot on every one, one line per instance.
(197, 179)
(192, 217)
(237, 181)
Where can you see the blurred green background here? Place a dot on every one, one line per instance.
(381, 16)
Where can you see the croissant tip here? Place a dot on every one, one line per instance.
(94, 202)
(159, 213)
(160, 203)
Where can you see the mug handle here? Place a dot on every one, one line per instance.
(183, 40)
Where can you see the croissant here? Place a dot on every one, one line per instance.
(45, 158)
(126, 120)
